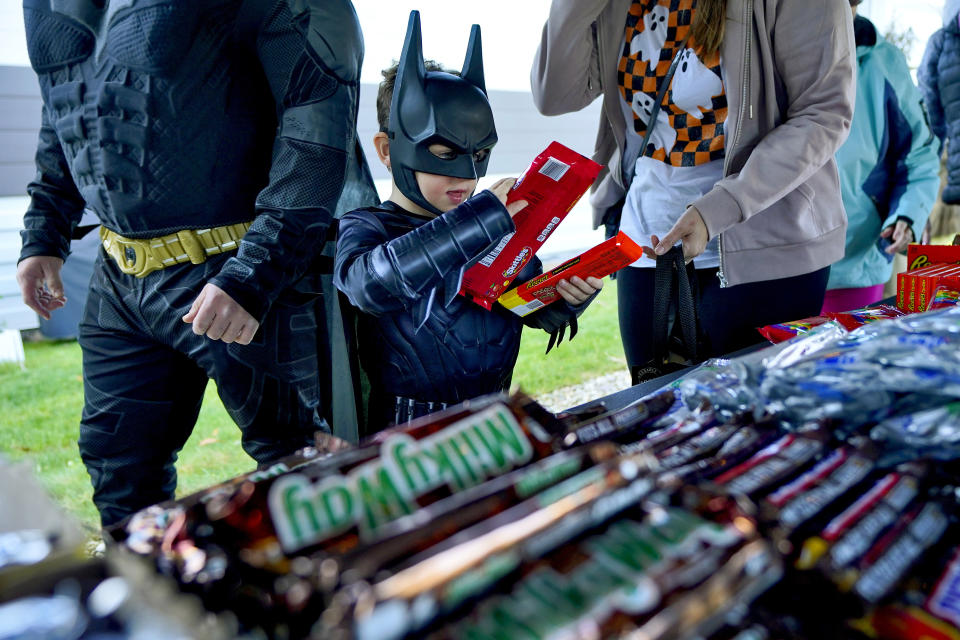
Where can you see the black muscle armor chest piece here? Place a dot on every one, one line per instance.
(160, 128)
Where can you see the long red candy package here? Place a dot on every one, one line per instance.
(551, 186)
(610, 255)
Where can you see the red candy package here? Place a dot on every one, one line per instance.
(610, 255)
(551, 186)
(858, 317)
(785, 330)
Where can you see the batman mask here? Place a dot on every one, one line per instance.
(430, 107)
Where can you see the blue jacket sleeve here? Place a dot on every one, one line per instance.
(928, 78)
(56, 205)
(381, 275)
(311, 52)
(912, 149)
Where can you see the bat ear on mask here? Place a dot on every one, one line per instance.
(472, 70)
(408, 88)
(435, 107)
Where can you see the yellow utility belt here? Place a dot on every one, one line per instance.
(139, 257)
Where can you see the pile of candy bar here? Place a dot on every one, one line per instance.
(809, 490)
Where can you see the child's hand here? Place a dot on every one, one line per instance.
(501, 188)
(577, 290)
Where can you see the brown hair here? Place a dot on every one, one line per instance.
(707, 27)
(385, 92)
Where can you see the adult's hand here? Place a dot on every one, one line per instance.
(219, 317)
(40, 284)
(501, 188)
(900, 234)
(690, 230)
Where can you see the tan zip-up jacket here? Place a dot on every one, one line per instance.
(789, 73)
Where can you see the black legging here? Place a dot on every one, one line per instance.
(145, 371)
(729, 317)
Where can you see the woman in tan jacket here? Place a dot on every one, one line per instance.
(755, 98)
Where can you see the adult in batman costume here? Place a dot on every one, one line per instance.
(422, 346)
(214, 140)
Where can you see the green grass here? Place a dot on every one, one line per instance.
(595, 351)
(41, 411)
(40, 407)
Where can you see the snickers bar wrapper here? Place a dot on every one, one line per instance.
(551, 186)
(602, 260)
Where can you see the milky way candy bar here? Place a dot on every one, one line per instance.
(471, 561)
(401, 539)
(608, 581)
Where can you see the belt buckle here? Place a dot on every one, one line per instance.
(132, 256)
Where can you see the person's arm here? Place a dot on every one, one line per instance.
(814, 54)
(911, 154)
(380, 276)
(566, 74)
(929, 80)
(311, 52)
(56, 205)
(55, 208)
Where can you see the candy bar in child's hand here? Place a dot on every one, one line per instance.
(858, 317)
(785, 330)
(551, 186)
(607, 257)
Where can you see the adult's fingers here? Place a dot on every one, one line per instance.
(203, 319)
(31, 284)
(901, 235)
(249, 330)
(231, 333)
(191, 315)
(51, 277)
(218, 327)
(673, 236)
(40, 286)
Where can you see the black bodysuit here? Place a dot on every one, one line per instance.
(419, 341)
(162, 115)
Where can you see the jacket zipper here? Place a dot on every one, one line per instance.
(744, 99)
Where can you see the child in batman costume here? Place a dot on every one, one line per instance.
(421, 345)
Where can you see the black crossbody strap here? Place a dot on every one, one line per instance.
(687, 304)
(673, 277)
(663, 294)
(661, 93)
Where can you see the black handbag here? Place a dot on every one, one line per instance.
(680, 346)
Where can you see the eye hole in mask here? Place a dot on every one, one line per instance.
(443, 151)
(481, 155)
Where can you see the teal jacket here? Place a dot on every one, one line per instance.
(888, 166)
